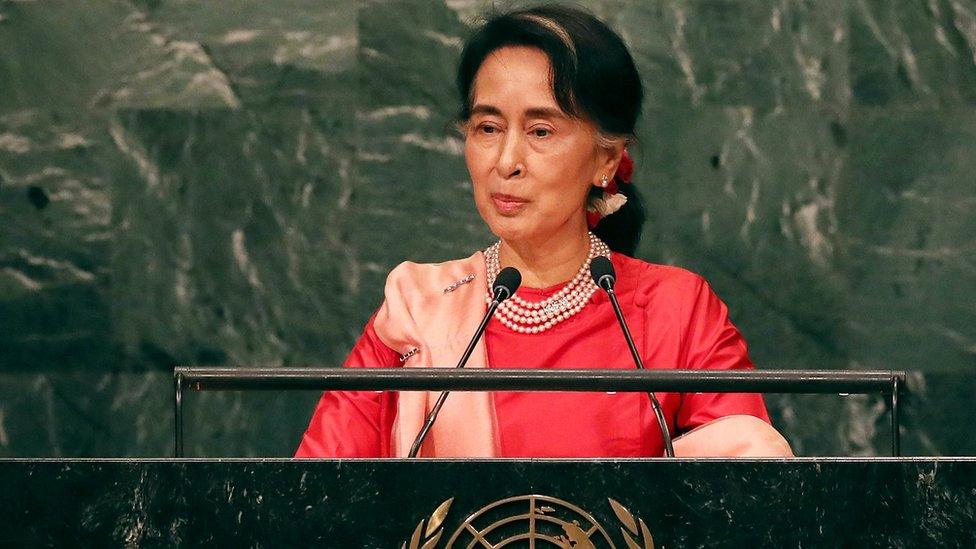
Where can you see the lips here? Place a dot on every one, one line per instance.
(507, 204)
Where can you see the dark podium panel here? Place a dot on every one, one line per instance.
(496, 503)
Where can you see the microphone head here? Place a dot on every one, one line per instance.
(601, 269)
(507, 281)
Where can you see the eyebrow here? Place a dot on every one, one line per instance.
(534, 112)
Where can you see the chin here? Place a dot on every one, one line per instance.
(513, 229)
(504, 227)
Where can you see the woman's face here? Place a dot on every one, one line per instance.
(532, 165)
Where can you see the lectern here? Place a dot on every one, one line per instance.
(434, 503)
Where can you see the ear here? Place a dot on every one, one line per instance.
(608, 159)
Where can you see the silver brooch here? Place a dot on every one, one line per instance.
(556, 306)
(458, 284)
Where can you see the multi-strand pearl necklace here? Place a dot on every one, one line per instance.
(533, 317)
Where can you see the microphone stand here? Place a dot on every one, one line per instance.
(665, 433)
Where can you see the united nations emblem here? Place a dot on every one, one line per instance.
(529, 521)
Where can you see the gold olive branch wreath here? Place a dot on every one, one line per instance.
(628, 521)
(634, 530)
(432, 534)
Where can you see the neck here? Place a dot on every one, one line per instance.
(546, 262)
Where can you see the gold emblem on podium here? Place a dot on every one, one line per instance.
(533, 521)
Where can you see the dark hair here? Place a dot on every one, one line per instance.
(593, 77)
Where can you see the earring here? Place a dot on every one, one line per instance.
(604, 180)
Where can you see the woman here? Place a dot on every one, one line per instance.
(550, 98)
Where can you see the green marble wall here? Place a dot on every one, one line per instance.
(189, 182)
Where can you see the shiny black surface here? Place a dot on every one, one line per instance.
(369, 503)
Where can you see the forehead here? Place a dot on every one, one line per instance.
(515, 74)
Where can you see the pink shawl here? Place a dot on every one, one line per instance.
(418, 313)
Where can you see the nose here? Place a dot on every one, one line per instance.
(511, 161)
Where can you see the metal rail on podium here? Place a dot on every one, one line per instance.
(884, 382)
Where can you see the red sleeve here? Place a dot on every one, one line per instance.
(712, 342)
(354, 423)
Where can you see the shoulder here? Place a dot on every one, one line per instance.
(422, 298)
(653, 281)
(427, 278)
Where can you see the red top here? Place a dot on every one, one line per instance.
(677, 322)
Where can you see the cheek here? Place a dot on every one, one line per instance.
(476, 159)
(571, 185)
(474, 163)
(570, 199)
(469, 157)
(480, 166)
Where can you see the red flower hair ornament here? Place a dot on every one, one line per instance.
(611, 199)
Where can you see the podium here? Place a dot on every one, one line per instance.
(428, 503)
(470, 503)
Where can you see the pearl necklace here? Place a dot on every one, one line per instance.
(533, 317)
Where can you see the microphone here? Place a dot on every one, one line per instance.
(507, 281)
(602, 272)
(505, 284)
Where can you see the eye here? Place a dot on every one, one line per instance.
(541, 132)
(486, 129)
